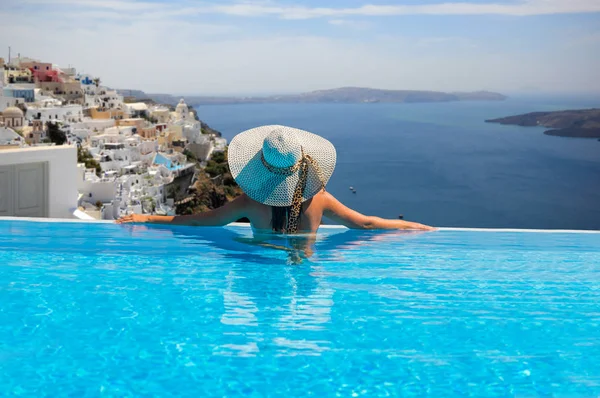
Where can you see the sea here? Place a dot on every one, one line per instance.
(441, 164)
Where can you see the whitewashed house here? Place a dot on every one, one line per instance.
(38, 181)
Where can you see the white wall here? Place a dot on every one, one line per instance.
(94, 124)
(104, 191)
(6, 102)
(147, 147)
(62, 174)
(67, 113)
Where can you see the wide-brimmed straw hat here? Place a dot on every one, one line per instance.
(270, 164)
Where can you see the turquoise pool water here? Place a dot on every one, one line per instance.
(160, 159)
(108, 310)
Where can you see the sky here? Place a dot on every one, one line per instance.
(281, 46)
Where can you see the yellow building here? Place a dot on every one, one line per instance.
(148, 133)
(15, 75)
(70, 91)
(137, 122)
(97, 113)
(173, 133)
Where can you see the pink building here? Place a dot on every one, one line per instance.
(42, 71)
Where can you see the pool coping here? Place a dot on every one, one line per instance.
(325, 226)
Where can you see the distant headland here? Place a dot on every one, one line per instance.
(583, 123)
(346, 95)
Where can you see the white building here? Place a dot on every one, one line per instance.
(50, 112)
(7, 102)
(38, 181)
(136, 109)
(191, 129)
(220, 144)
(97, 126)
(160, 113)
(94, 188)
(102, 97)
(9, 137)
(182, 112)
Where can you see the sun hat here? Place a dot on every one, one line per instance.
(276, 164)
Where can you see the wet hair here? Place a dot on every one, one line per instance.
(279, 218)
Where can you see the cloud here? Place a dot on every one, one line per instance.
(522, 8)
(113, 5)
(275, 9)
(192, 48)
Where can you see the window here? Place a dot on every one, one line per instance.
(48, 68)
(35, 67)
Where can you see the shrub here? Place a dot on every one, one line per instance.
(55, 134)
(83, 156)
(218, 157)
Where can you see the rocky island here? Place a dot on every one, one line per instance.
(345, 95)
(583, 123)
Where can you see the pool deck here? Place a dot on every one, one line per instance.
(325, 226)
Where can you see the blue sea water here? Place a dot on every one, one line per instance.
(440, 164)
(91, 310)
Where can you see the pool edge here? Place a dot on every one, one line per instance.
(325, 226)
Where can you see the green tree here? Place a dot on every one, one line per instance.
(216, 169)
(218, 157)
(190, 156)
(55, 134)
(84, 156)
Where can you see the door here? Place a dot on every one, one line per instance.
(24, 190)
(6, 191)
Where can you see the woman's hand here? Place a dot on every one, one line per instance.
(133, 218)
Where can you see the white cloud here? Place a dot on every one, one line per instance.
(158, 51)
(522, 8)
(114, 5)
(256, 9)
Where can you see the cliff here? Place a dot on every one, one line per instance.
(584, 123)
(337, 95)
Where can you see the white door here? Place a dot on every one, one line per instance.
(24, 190)
(6, 190)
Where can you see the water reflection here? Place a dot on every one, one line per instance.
(276, 286)
(246, 245)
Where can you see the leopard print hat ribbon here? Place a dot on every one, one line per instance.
(302, 165)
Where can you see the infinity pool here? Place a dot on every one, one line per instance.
(108, 310)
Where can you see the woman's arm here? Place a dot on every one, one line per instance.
(230, 212)
(336, 211)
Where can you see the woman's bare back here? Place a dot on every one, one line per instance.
(310, 218)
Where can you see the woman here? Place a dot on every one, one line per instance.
(283, 172)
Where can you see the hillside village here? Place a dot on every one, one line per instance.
(134, 155)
